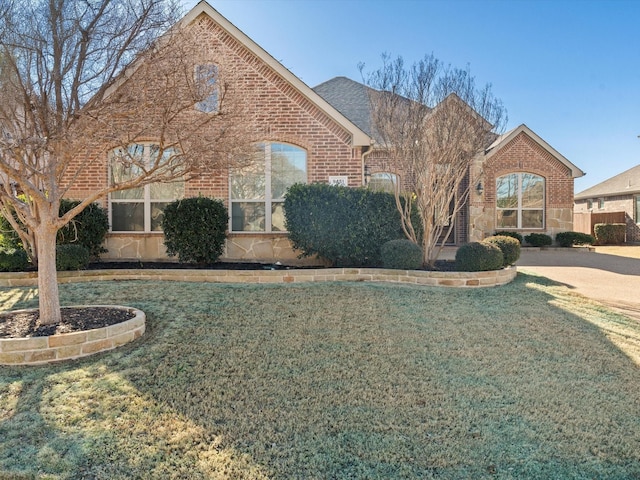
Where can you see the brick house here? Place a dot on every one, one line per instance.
(616, 200)
(324, 136)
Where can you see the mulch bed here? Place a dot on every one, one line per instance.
(27, 324)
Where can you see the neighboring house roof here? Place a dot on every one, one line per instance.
(511, 134)
(625, 183)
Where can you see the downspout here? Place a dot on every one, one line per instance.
(364, 158)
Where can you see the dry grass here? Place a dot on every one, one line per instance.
(323, 381)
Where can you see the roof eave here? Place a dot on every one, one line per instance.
(575, 171)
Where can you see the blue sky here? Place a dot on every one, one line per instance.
(568, 69)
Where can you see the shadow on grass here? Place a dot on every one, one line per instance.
(342, 381)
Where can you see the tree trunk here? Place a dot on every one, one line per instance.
(48, 295)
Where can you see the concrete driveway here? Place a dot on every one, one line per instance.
(609, 275)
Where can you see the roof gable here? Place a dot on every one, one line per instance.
(625, 183)
(505, 138)
(358, 136)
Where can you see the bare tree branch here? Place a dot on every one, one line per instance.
(432, 122)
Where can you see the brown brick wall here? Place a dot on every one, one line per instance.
(280, 112)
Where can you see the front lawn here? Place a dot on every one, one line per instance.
(333, 380)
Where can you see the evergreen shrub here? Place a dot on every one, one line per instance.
(71, 256)
(479, 257)
(538, 239)
(346, 226)
(195, 229)
(610, 233)
(509, 246)
(89, 228)
(13, 260)
(505, 233)
(569, 239)
(402, 254)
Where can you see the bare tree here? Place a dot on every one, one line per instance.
(80, 82)
(433, 123)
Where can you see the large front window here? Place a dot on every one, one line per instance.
(140, 209)
(520, 201)
(258, 189)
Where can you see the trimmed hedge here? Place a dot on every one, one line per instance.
(71, 256)
(479, 257)
(89, 228)
(346, 226)
(610, 233)
(402, 254)
(509, 246)
(569, 239)
(15, 260)
(538, 239)
(504, 233)
(195, 229)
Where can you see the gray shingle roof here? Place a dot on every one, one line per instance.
(625, 183)
(350, 98)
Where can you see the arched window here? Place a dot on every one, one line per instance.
(139, 209)
(520, 201)
(383, 182)
(257, 190)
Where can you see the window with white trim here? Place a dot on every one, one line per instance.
(520, 201)
(258, 189)
(383, 182)
(637, 209)
(206, 78)
(140, 209)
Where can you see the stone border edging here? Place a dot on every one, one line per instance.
(67, 346)
(441, 279)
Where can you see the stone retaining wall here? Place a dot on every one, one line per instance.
(67, 346)
(420, 277)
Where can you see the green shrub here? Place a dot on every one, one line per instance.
(346, 226)
(14, 260)
(610, 233)
(195, 229)
(509, 246)
(89, 228)
(569, 239)
(9, 239)
(504, 233)
(538, 240)
(479, 257)
(402, 254)
(71, 256)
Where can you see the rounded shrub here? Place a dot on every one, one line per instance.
(479, 257)
(510, 247)
(71, 256)
(505, 233)
(195, 229)
(538, 239)
(89, 228)
(569, 239)
(14, 260)
(402, 254)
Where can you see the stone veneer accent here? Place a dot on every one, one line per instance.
(67, 346)
(418, 277)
